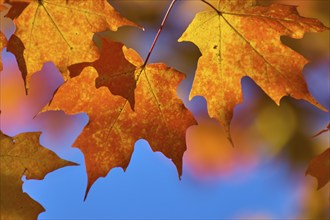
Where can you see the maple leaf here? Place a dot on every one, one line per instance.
(61, 31)
(108, 140)
(319, 167)
(242, 39)
(23, 155)
(114, 71)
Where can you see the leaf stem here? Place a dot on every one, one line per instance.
(159, 31)
(214, 8)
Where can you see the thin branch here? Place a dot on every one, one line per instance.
(159, 31)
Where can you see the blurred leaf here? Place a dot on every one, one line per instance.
(276, 125)
(319, 167)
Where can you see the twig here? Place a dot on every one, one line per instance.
(159, 31)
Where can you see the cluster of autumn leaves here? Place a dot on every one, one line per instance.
(126, 99)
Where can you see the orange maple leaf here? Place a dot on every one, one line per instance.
(108, 140)
(61, 31)
(242, 39)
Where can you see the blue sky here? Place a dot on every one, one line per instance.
(150, 188)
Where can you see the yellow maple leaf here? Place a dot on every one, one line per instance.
(61, 31)
(242, 39)
(23, 155)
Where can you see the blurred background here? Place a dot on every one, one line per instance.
(263, 177)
